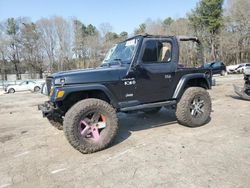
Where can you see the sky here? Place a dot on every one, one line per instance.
(123, 15)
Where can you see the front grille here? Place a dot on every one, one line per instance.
(49, 84)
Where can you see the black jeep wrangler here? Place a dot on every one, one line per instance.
(140, 73)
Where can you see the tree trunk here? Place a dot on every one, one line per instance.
(213, 53)
(41, 74)
(16, 70)
(4, 72)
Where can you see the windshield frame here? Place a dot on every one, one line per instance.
(120, 61)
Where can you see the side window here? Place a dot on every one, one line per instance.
(216, 65)
(156, 52)
(24, 83)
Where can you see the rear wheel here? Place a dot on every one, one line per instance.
(36, 89)
(11, 90)
(194, 107)
(90, 125)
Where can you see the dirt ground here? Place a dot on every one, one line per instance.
(149, 151)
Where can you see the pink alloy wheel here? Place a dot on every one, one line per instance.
(92, 125)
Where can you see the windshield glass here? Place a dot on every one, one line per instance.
(207, 65)
(121, 52)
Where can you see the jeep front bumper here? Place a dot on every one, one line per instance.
(46, 108)
(50, 110)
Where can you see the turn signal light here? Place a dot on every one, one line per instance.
(60, 94)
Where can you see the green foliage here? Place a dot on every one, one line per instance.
(124, 35)
(207, 21)
(88, 30)
(207, 16)
(141, 29)
(12, 26)
(168, 21)
(111, 36)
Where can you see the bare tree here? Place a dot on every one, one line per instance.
(3, 60)
(13, 33)
(154, 27)
(105, 28)
(48, 38)
(31, 45)
(62, 28)
(235, 37)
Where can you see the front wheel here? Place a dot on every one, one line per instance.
(90, 125)
(194, 107)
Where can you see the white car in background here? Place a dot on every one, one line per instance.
(240, 68)
(231, 68)
(247, 70)
(27, 85)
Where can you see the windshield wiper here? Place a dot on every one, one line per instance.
(112, 62)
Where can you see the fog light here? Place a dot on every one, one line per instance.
(60, 94)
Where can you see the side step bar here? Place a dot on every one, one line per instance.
(149, 105)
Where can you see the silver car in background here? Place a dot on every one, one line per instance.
(27, 85)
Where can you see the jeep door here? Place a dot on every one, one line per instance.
(156, 69)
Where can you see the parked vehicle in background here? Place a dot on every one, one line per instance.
(231, 68)
(240, 68)
(27, 85)
(244, 92)
(247, 71)
(217, 67)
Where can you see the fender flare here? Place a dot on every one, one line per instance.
(179, 90)
(89, 87)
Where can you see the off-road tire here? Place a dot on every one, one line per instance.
(151, 110)
(73, 117)
(183, 113)
(11, 90)
(56, 122)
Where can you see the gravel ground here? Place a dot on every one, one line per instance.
(149, 151)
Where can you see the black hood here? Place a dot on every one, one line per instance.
(93, 75)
